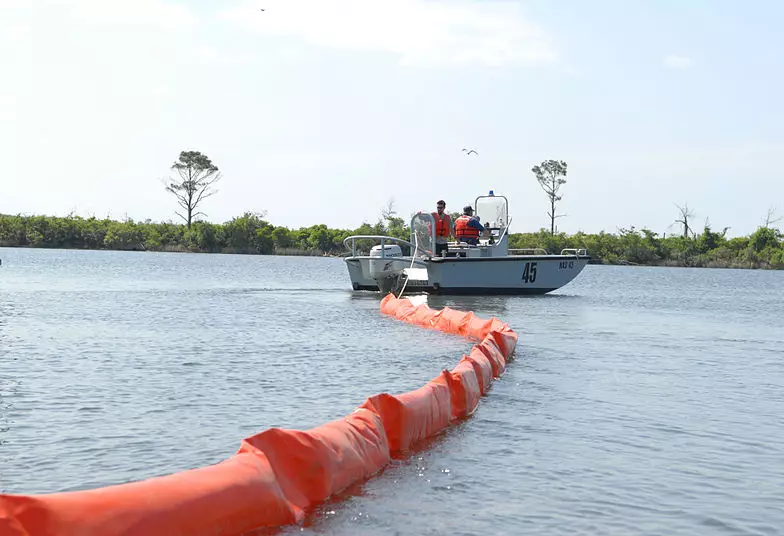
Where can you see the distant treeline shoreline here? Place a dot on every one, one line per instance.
(251, 234)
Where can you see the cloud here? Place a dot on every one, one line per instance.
(160, 13)
(15, 31)
(212, 55)
(7, 108)
(418, 32)
(15, 20)
(160, 91)
(677, 62)
(207, 53)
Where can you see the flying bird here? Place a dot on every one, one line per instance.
(469, 151)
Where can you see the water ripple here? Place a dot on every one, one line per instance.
(633, 407)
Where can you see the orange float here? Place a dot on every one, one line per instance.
(413, 416)
(465, 390)
(227, 499)
(277, 474)
(483, 369)
(494, 354)
(314, 464)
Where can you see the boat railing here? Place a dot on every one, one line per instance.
(351, 242)
(577, 252)
(528, 251)
(504, 231)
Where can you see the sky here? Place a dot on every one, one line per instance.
(325, 111)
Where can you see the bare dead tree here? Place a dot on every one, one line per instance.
(389, 211)
(686, 213)
(770, 218)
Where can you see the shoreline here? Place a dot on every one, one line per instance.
(249, 234)
(292, 252)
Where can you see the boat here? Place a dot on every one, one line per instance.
(490, 267)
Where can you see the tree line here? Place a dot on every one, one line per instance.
(250, 233)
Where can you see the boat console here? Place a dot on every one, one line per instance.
(492, 211)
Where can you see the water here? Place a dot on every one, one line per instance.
(642, 400)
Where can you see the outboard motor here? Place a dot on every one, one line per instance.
(386, 264)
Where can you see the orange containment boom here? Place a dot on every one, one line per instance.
(278, 474)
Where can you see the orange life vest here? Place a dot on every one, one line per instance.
(442, 224)
(463, 230)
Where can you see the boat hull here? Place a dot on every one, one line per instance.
(510, 275)
(360, 280)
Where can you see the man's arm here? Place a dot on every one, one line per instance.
(477, 225)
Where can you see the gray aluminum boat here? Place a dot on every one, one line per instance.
(400, 266)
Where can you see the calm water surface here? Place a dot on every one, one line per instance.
(642, 400)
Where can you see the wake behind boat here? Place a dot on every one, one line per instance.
(489, 267)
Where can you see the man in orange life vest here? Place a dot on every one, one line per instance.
(468, 228)
(443, 227)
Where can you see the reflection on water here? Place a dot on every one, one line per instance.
(482, 305)
(363, 295)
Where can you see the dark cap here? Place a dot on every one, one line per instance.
(440, 202)
(468, 209)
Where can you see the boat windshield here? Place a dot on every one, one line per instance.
(492, 211)
(423, 233)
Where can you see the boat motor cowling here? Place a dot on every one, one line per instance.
(382, 262)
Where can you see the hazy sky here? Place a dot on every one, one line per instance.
(320, 111)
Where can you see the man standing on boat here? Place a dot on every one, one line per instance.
(443, 227)
(468, 228)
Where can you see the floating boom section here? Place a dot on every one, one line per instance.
(277, 475)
